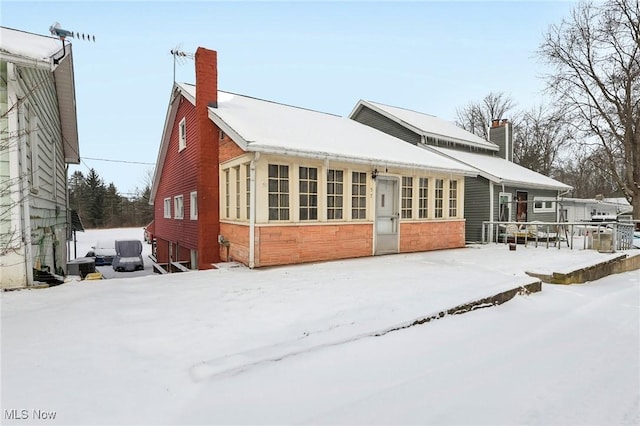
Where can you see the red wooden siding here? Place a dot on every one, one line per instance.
(179, 177)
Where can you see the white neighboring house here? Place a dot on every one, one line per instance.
(39, 138)
(583, 209)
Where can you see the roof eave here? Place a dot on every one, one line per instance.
(172, 109)
(362, 103)
(534, 185)
(373, 162)
(66, 91)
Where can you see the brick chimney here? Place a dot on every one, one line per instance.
(208, 162)
(501, 133)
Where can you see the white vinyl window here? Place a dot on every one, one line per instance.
(227, 194)
(335, 194)
(453, 198)
(193, 205)
(423, 198)
(236, 170)
(167, 208)
(504, 206)
(247, 169)
(308, 193)
(543, 204)
(278, 192)
(439, 198)
(182, 134)
(178, 207)
(407, 197)
(358, 195)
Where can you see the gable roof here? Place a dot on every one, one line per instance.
(258, 125)
(426, 125)
(501, 171)
(36, 51)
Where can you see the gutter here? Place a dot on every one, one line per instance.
(366, 161)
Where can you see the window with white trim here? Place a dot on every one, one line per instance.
(182, 134)
(358, 195)
(178, 207)
(504, 206)
(423, 198)
(544, 204)
(167, 208)
(227, 194)
(308, 193)
(247, 169)
(278, 192)
(193, 205)
(407, 197)
(236, 170)
(335, 194)
(439, 198)
(453, 198)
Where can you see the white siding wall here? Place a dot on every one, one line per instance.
(40, 158)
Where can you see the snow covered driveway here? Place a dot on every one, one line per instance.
(291, 345)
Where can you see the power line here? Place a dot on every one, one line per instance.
(118, 161)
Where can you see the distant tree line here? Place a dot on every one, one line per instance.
(102, 206)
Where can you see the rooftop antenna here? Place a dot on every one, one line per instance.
(62, 34)
(180, 57)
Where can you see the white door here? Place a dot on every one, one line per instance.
(386, 216)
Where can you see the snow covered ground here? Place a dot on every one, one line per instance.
(296, 345)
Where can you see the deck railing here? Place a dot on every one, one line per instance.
(601, 236)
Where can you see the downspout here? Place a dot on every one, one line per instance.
(252, 211)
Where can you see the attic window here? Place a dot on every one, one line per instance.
(182, 137)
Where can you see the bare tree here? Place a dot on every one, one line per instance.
(583, 169)
(476, 116)
(541, 134)
(595, 56)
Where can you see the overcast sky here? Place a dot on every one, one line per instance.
(431, 57)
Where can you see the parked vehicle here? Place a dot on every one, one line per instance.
(128, 256)
(103, 252)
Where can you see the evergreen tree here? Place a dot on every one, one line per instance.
(95, 200)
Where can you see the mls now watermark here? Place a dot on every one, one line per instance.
(24, 414)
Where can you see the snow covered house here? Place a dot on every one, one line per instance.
(39, 139)
(500, 191)
(262, 183)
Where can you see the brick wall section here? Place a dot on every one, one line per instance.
(228, 149)
(282, 245)
(238, 235)
(426, 236)
(208, 165)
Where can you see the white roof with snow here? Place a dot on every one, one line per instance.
(499, 170)
(28, 46)
(270, 127)
(427, 125)
(30, 50)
